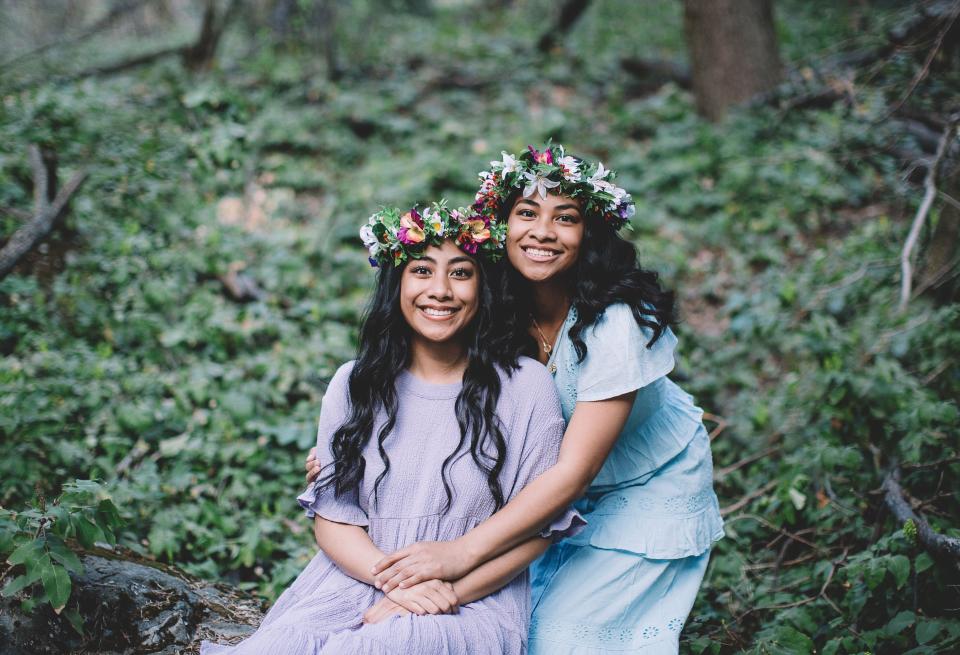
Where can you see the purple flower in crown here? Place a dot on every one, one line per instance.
(411, 228)
(545, 157)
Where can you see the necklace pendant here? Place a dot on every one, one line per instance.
(552, 368)
(547, 348)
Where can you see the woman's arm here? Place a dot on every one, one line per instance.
(589, 438)
(498, 572)
(347, 546)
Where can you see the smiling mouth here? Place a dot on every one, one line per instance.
(540, 254)
(439, 312)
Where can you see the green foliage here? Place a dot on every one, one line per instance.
(124, 359)
(35, 544)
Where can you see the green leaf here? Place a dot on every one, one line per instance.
(73, 616)
(899, 623)
(922, 562)
(899, 567)
(28, 551)
(20, 582)
(792, 641)
(56, 582)
(874, 573)
(60, 552)
(87, 532)
(927, 630)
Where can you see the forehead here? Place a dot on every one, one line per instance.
(446, 252)
(552, 201)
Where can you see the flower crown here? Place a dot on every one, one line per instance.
(540, 172)
(392, 237)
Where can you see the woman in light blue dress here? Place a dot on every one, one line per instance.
(635, 456)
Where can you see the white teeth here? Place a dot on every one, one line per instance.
(437, 312)
(536, 252)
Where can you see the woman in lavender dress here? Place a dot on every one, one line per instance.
(428, 432)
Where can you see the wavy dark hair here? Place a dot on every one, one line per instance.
(384, 353)
(607, 272)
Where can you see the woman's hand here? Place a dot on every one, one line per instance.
(424, 560)
(383, 609)
(312, 465)
(430, 597)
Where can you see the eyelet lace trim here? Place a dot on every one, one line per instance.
(584, 634)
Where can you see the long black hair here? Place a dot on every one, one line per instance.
(384, 353)
(607, 272)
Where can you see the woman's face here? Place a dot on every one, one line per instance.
(544, 236)
(440, 293)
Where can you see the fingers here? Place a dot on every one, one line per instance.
(313, 473)
(398, 578)
(390, 560)
(431, 601)
(311, 459)
(445, 589)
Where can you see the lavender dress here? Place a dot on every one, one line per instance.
(321, 611)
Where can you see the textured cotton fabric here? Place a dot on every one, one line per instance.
(321, 611)
(626, 583)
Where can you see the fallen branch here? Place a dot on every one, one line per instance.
(749, 498)
(569, 14)
(719, 420)
(897, 504)
(39, 226)
(721, 473)
(930, 192)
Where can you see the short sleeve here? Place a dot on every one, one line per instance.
(544, 432)
(618, 359)
(323, 502)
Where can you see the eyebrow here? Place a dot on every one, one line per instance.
(568, 205)
(454, 260)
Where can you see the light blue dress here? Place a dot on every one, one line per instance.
(628, 581)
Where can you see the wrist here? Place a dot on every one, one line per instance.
(470, 554)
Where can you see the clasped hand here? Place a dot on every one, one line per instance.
(429, 597)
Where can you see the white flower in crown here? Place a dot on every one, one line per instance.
(508, 165)
(537, 182)
(434, 220)
(369, 239)
(598, 182)
(570, 169)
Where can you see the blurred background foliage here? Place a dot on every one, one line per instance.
(174, 335)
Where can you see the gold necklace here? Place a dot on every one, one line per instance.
(547, 347)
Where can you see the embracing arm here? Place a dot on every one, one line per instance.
(498, 572)
(589, 438)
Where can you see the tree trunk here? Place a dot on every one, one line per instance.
(939, 275)
(733, 52)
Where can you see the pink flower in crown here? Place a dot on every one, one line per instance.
(411, 228)
(545, 157)
(478, 229)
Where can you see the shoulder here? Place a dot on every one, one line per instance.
(339, 383)
(618, 322)
(529, 373)
(530, 383)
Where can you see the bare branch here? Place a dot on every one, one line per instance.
(897, 504)
(930, 186)
(39, 226)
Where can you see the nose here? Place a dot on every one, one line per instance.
(440, 288)
(543, 229)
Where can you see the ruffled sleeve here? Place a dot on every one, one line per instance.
(618, 359)
(323, 502)
(541, 442)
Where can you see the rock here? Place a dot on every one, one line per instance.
(131, 605)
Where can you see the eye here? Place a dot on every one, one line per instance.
(567, 218)
(420, 270)
(462, 273)
(526, 213)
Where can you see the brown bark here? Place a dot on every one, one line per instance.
(733, 52)
(939, 274)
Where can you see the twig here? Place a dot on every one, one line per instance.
(19, 214)
(41, 182)
(930, 186)
(931, 465)
(746, 461)
(772, 526)
(896, 502)
(719, 420)
(954, 12)
(749, 498)
(39, 226)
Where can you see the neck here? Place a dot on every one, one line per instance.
(551, 301)
(438, 363)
